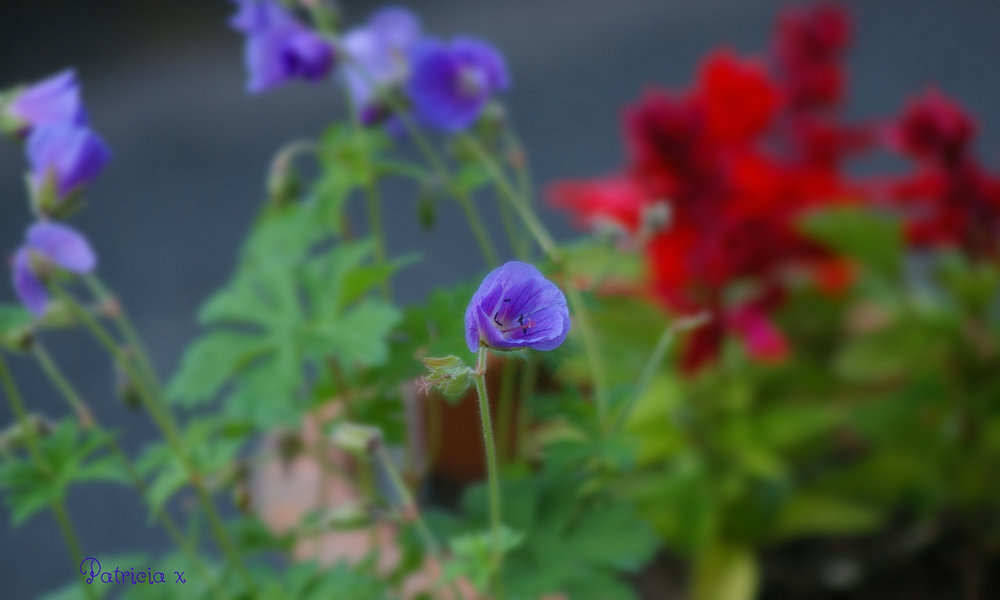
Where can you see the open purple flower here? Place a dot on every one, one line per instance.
(48, 244)
(65, 156)
(279, 47)
(516, 307)
(451, 83)
(379, 54)
(55, 100)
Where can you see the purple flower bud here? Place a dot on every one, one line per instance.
(45, 244)
(516, 307)
(279, 47)
(379, 54)
(68, 156)
(50, 101)
(451, 83)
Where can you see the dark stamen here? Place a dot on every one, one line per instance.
(495, 320)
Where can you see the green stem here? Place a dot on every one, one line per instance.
(519, 202)
(83, 413)
(649, 370)
(491, 457)
(412, 510)
(377, 229)
(72, 541)
(164, 421)
(58, 509)
(125, 328)
(523, 174)
(436, 162)
(58, 379)
(582, 316)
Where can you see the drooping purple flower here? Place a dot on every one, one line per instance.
(451, 83)
(379, 55)
(66, 156)
(516, 307)
(279, 47)
(47, 244)
(55, 100)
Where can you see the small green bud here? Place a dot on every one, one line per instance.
(448, 374)
(356, 438)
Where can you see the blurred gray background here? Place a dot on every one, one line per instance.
(164, 84)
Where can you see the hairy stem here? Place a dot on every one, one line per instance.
(491, 458)
(165, 422)
(61, 383)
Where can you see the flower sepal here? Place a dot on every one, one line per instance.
(448, 374)
(46, 202)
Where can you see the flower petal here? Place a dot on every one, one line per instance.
(63, 246)
(28, 287)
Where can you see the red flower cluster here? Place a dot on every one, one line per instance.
(950, 199)
(738, 159)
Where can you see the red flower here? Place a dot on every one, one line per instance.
(934, 128)
(740, 101)
(616, 200)
(665, 136)
(809, 46)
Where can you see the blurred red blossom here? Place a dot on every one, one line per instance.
(738, 158)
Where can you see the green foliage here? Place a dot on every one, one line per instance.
(212, 445)
(64, 457)
(874, 240)
(576, 541)
(472, 555)
(296, 302)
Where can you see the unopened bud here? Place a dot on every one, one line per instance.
(356, 438)
(16, 436)
(125, 385)
(283, 182)
(17, 331)
(448, 374)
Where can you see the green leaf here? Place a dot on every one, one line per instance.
(578, 541)
(210, 362)
(65, 456)
(472, 555)
(725, 572)
(266, 393)
(875, 240)
(356, 337)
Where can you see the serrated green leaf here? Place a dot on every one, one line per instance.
(210, 362)
(266, 393)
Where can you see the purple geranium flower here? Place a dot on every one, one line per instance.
(48, 244)
(66, 156)
(279, 47)
(50, 101)
(516, 307)
(379, 54)
(451, 83)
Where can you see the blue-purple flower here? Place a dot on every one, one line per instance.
(279, 47)
(379, 55)
(55, 100)
(65, 157)
(516, 307)
(451, 83)
(46, 245)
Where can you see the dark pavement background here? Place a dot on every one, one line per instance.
(163, 82)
